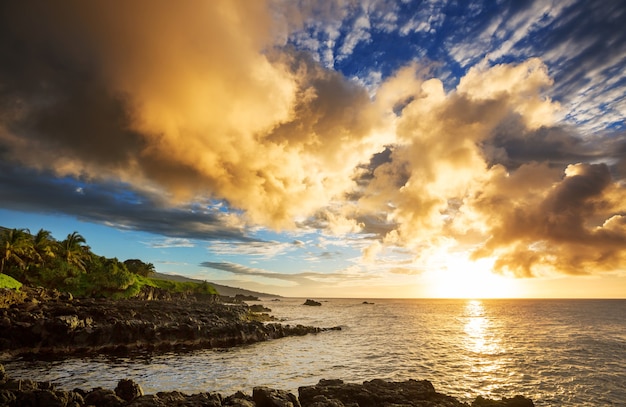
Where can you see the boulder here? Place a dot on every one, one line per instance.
(374, 393)
(128, 390)
(312, 303)
(239, 399)
(266, 397)
(100, 397)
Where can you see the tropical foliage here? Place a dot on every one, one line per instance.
(67, 265)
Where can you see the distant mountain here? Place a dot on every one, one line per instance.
(221, 289)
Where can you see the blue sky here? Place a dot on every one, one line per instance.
(326, 148)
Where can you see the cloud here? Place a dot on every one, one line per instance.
(196, 102)
(262, 249)
(437, 156)
(310, 279)
(144, 116)
(582, 43)
(171, 242)
(445, 181)
(114, 204)
(573, 225)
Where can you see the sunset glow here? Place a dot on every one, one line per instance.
(431, 149)
(464, 278)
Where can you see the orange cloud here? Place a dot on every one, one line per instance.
(575, 225)
(188, 102)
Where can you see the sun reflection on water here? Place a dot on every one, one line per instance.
(482, 340)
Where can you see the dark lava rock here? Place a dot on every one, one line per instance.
(100, 397)
(45, 325)
(266, 397)
(128, 390)
(312, 303)
(374, 393)
(334, 393)
(259, 308)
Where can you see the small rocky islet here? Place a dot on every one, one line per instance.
(40, 323)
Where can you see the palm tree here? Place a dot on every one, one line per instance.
(75, 251)
(43, 246)
(16, 247)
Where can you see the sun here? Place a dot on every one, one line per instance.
(461, 277)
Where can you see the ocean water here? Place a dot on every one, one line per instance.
(557, 352)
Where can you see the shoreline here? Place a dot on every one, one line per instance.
(48, 325)
(335, 393)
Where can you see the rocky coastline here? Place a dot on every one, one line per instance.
(332, 393)
(41, 323)
(45, 323)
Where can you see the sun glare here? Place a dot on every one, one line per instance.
(464, 278)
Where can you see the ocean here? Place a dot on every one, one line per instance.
(557, 352)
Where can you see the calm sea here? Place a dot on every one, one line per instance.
(558, 352)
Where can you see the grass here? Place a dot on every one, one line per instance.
(9, 282)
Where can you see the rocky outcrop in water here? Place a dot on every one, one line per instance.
(312, 303)
(335, 393)
(45, 325)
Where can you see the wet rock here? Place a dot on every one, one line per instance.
(259, 308)
(517, 401)
(100, 397)
(327, 393)
(47, 398)
(241, 297)
(128, 390)
(374, 393)
(312, 303)
(239, 399)
(266, 397)
(124, 326)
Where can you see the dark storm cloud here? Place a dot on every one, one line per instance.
(112, 204)
(51, 90)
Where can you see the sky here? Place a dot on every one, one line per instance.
(329, 148)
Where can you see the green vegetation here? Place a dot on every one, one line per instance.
(179, 287)
(69, 265)
(9, 282)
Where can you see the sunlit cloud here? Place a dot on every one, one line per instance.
(376, 137)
